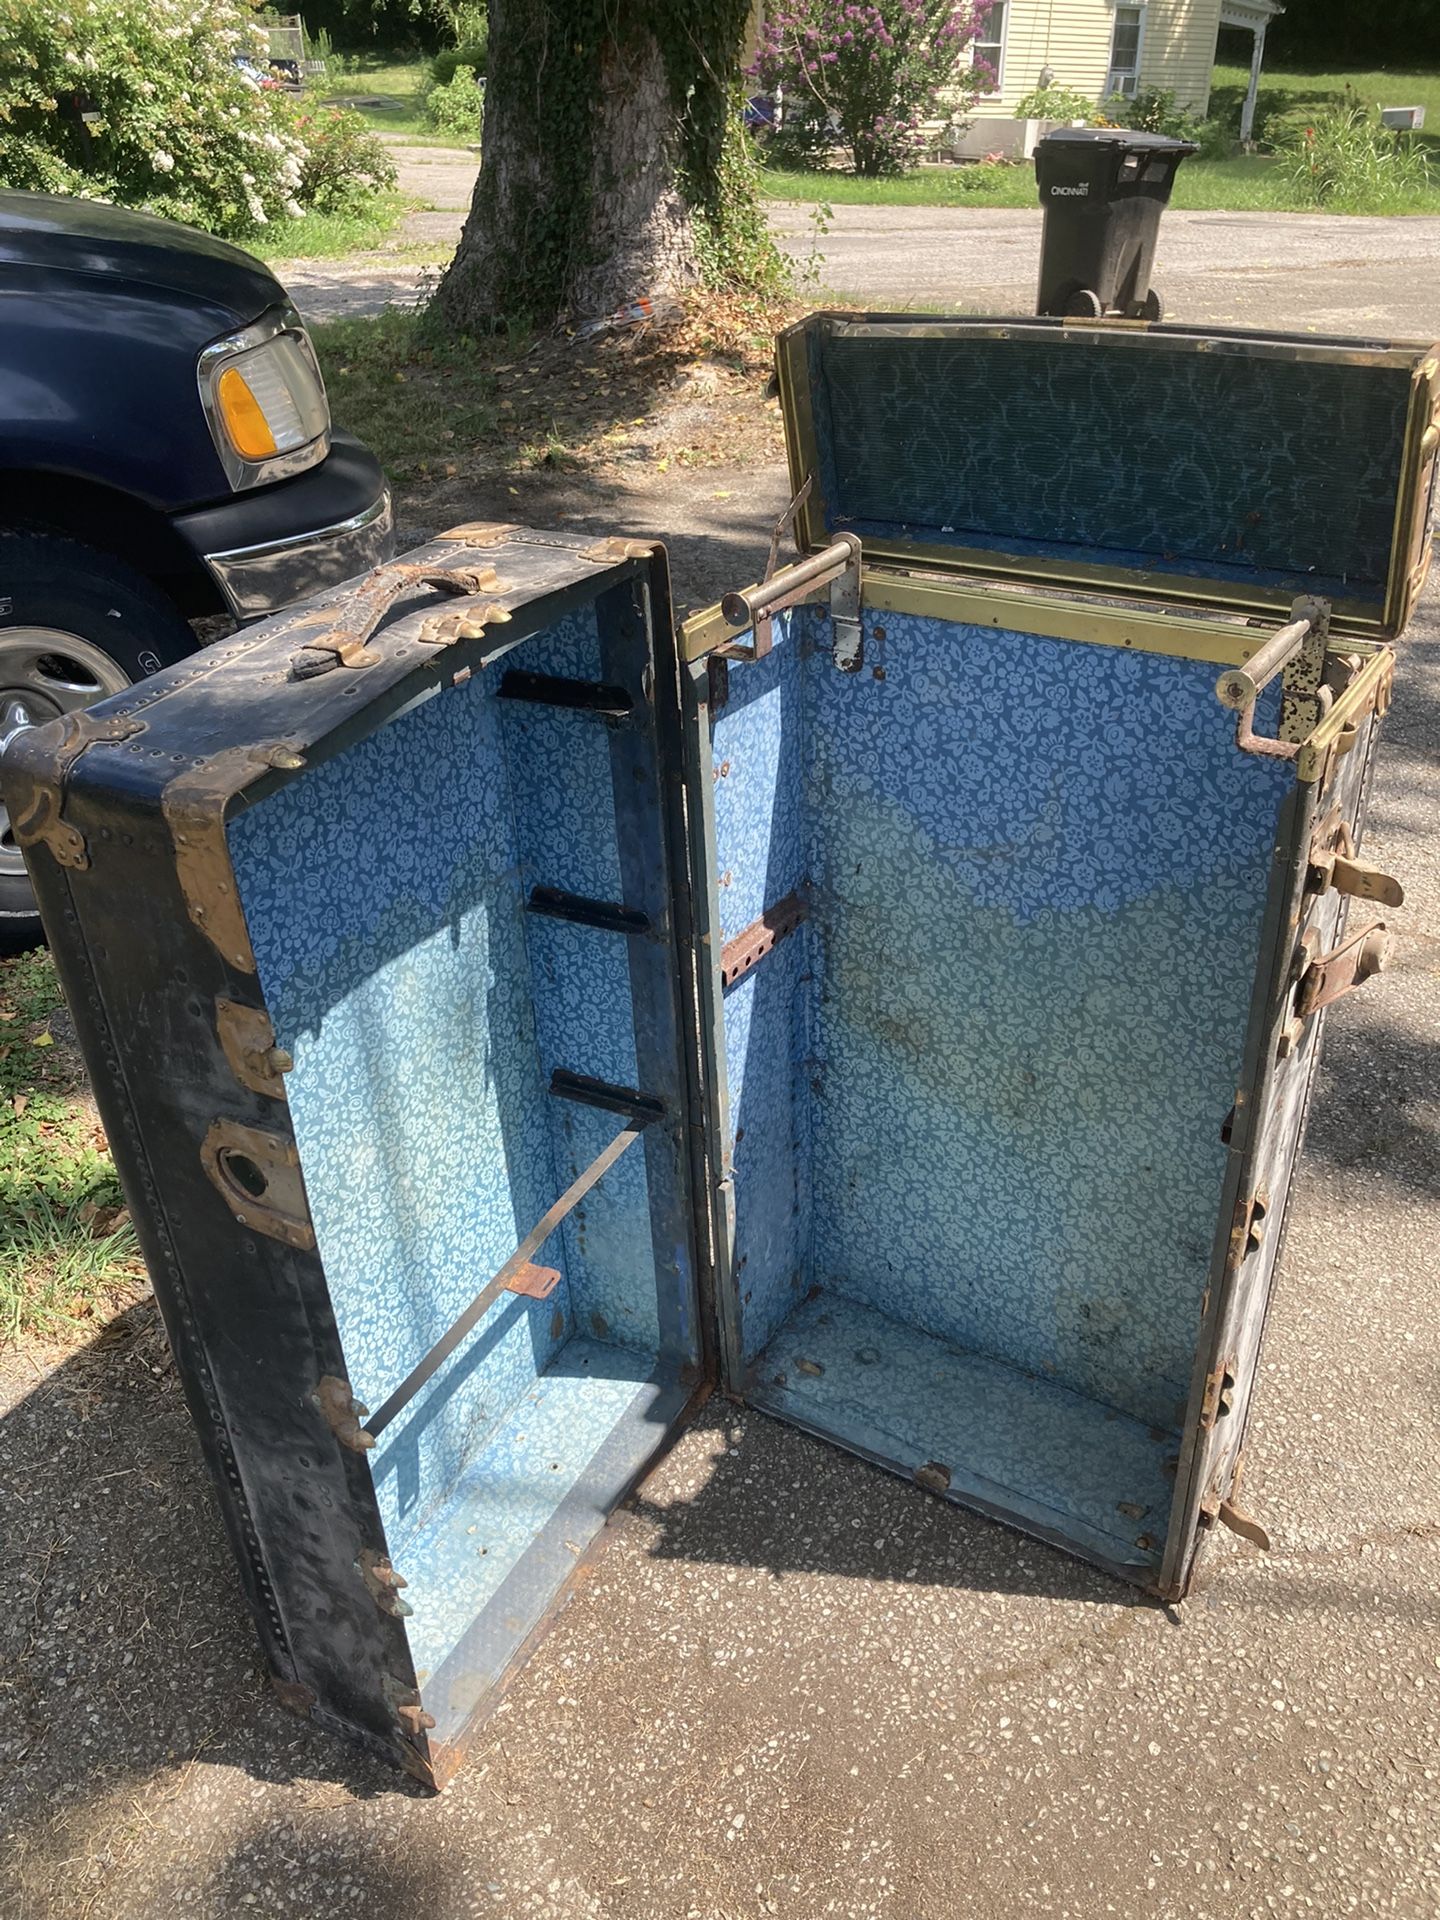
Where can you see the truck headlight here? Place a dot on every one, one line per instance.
(265, 401)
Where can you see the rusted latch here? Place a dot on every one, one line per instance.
(1219, 1396)
(532, 1282)
(1327, 977)
(342, 1412)
(343, 642)
(1302, 639)
(383, 1583)
(1225, 1509)
(774, 925)
(1333, 864)
(37, 820)
(258, 1173)
(247, 1040)
(413, 1717)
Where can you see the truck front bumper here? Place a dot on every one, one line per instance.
(276, 545)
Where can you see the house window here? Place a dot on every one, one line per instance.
(1125, 51)
(988, 47)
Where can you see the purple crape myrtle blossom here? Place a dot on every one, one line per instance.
(864, 75)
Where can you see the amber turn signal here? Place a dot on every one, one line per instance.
(245, 421)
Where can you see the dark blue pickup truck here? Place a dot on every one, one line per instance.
(166, 453)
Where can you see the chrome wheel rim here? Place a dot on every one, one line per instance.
(45, 672)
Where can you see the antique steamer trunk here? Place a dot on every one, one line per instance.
(894, 997)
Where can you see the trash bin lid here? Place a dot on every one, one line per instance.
(1182, 464)
(1124, 137)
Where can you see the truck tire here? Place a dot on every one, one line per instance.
(76, 625)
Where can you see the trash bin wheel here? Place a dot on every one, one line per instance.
(1153, 307)
(1083, 305)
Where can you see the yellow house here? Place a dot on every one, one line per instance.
(1104, 47)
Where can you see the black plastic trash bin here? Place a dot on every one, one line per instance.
(1103, 190)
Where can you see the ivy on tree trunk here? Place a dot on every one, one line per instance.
(610, 164)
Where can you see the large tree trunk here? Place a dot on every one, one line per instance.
(602, 128)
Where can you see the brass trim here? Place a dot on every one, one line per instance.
(1370, 688)
(1145, 630)
(1144, 335)
(38, 820)
(1349, 616)
(814, 527)
(279, 1209)
(792, 379)
(1401, 586)
(194, 806)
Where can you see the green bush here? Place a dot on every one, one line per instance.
(1056, 103)
(141, 102)
(458, 108)
(1344, 159)
(473, 54)
(345, 161)
(1155, 111)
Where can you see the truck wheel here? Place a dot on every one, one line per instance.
(75, 627)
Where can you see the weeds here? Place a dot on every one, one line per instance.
(67, 1249)
(1350, 163)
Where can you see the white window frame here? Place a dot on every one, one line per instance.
(1115, 77)
(999, 87)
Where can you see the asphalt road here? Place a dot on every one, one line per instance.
(1324, 272)
(1329, 273)
(1320, 272)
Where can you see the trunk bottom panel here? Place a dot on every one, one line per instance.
(1047, 1459)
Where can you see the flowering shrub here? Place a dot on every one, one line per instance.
(344, 161)
(142, 102)
(864, 74)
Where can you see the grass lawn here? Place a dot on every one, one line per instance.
(68, 1253)
(394, 86)
(324, 236)
(1244, 183)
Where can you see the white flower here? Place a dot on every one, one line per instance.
(294, 209)
(91, 64)
(71, 59)
(247, 179)
(163, 162)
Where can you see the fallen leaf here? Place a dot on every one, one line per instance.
(19, 1103)
(46, 1039)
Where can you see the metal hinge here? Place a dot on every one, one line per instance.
(1219, 1396)
(1299, 644)
(838, 565)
